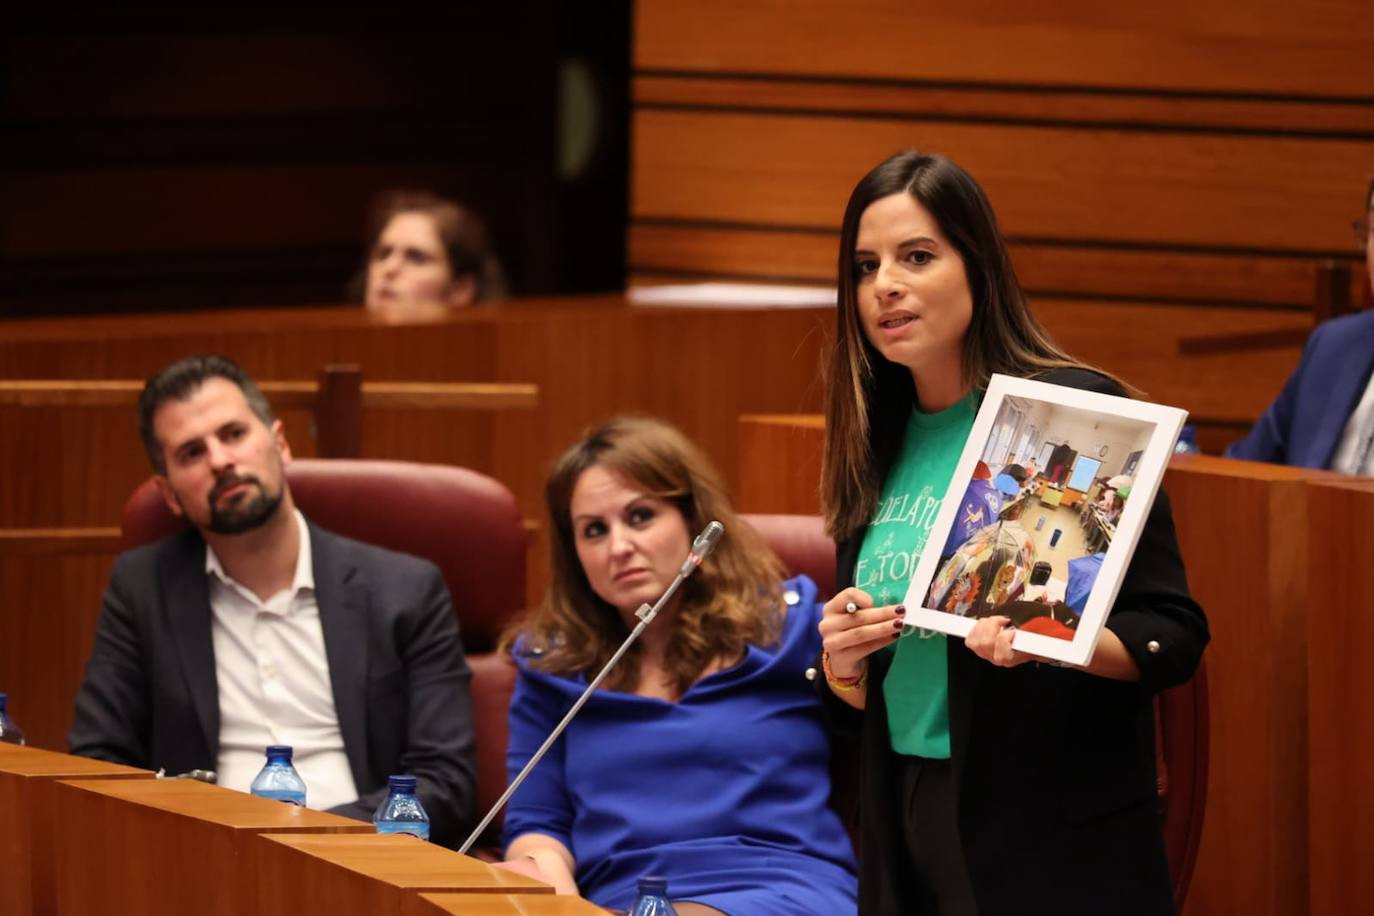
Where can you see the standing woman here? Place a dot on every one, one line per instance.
(991, 783)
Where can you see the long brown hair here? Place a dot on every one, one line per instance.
(732, 601)
(868, 398)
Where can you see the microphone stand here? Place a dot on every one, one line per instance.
(703, 545)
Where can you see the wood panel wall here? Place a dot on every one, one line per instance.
(1190, 153)
(51, 583)
(590, 357)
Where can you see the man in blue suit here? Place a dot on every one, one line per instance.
(1324, 416)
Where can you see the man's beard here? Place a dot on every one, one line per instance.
(246, 513)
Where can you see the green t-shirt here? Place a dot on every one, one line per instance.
(917, 684)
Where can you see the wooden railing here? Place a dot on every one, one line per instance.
(337, 399)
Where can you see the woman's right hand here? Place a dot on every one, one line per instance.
(543, 858)
(849, 637)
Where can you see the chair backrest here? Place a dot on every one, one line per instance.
(1182, 748)
(465, 522)
(801, 543)
(1181, 722)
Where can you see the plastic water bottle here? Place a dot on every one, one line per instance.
(1187, 441)
(401, 811)
(9, 732)
(653, 898)
(279, 780)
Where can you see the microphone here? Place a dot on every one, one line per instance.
(701, 549)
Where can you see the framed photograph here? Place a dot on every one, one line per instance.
(1047, 541)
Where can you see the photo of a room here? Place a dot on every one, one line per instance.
(1038, 515)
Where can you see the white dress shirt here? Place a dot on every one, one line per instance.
(274, 685)
(1355, 452)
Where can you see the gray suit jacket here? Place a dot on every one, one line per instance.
(396, 665)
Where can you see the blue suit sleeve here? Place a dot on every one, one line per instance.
(542, 803)
(1268, 440)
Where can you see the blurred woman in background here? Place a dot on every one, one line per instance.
(427, 256)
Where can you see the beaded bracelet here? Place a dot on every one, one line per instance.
(843, 683)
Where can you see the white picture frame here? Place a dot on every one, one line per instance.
(989, 571)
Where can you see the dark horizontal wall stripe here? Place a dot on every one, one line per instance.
(657, 272)
(860, 114)
(968, 103)
(1143, 92)
(1046, 241)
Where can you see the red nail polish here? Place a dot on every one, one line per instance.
(901, 609)
(897, 624)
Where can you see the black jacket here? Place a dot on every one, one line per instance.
(396, 666)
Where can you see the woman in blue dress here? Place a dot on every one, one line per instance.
(703, 756)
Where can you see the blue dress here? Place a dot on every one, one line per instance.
(723, 792)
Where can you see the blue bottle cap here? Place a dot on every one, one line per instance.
(402, 783)
(653, 886)
(279, 750)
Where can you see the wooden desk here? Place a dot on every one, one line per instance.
(169, 847)
(1243, 530)
(1099, 531)
(1262, 544)
(1340, 665)
(498, 905)
(29, 829)
(1050, 496)
(371, 875)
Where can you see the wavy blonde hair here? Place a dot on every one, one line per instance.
(732, 601)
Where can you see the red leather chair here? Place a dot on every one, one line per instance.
(801, 543)
(1182, 749)
(1181, 723)
(463, 521)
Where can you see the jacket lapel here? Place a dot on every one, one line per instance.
(344, 605)
(187, 612)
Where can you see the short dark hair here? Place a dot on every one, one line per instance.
(182, 379)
